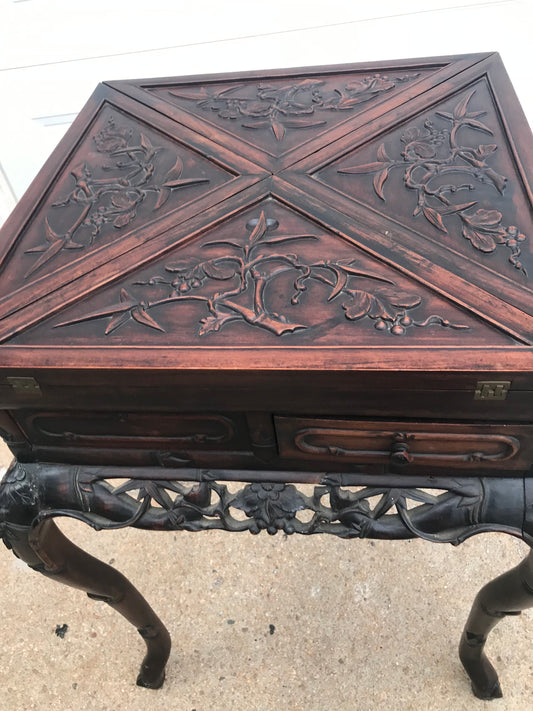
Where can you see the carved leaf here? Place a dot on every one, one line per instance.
(259, 229)
(365, 168)
(193, 94)
(296, 122)
(452, 209)
(218, 242)
(423, 150)
(219, 271)
(348, 103)
(152, 281)
(434, 217)
(487, 219)
(53, 249)
(482, 241)
(142, 316)
(287, 238)
(473, 123)
(499, 181)
(146, 144)
(403, 300)
(235, 87)
(65, 201)
(121, 200)
(211, 324)
(164, 194)
(51, 236)
(359, 306)
(410, 134)
(484, 150)
(382, 153)
(342, 278)
(126, 298)
(117, 321)
(459, 111)
(257, 124)
(378, 182)
(124, 219)
(357, 272)
(278, 129)
(174, 173)
(379, 310)
(180, 267)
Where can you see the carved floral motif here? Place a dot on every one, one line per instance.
(279, 108)
(431, 152)
(114, 199)
(394, 507)
(384, 510)
(239, 284)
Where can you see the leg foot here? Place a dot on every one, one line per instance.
(50, 552)
(508, 594)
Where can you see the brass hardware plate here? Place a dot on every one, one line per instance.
(27, 386)
(492, 389)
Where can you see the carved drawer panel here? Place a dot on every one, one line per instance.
(405, 444)
(152, 430)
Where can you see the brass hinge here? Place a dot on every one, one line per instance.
(492, 389)
(26, 386)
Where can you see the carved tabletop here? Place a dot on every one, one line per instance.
(308, 276)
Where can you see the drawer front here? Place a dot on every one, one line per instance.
(152, 430)
(406, 444)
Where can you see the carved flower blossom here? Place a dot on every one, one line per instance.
(112, 138)
(273, 506)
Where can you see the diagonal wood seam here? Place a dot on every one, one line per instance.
(301, 176)
(282, 191)
(69, 144)
(50, 299)
(359, 232)
(243, 172)
(110, 270)
(449, 67)
(489, 67)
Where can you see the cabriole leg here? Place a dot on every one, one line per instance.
(508, 594)
(47, 550)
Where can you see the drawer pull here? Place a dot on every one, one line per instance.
(400, 455)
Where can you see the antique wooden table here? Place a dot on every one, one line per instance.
(317, 276)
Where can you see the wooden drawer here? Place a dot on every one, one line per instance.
(151, 430)
(412, 444)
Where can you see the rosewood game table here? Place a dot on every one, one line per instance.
(311, 276)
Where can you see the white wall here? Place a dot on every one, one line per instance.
(54, 52)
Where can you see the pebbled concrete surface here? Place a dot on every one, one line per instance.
(261, 624)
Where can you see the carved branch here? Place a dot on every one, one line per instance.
(249, 274)
(464, 506)
(424, 159)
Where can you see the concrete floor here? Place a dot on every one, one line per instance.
(263, 623)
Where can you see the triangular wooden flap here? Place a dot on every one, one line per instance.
(445, 176)
(125, 174)
(266, 276)
(291, 111)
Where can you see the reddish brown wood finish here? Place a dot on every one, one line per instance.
(202, 255)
